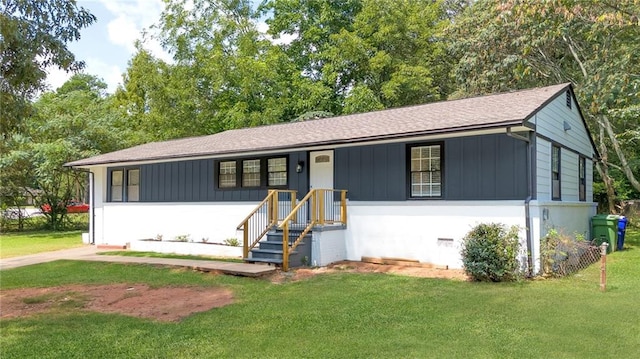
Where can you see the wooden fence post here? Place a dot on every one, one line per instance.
(603, 266)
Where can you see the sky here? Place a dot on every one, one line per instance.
(108, 44)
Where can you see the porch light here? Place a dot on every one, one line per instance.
(300, 166)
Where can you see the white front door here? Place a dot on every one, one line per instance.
(321, 177)
(321, 169)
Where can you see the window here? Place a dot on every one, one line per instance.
(254, 173)
(251, 173)
(125, 185)
(117, 179)
(426, 172)
(133, 185)
(277, 171)
(555, 172)
(227, 174)
(582, 179)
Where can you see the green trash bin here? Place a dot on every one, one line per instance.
(604, 228)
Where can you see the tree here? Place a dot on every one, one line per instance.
(14, 185)
(346, 56)
(33, 37)
(73, 123)
(310, 24)
(593, 44)
(226, 75)
(371, 54)
(149, 112)
(394, 50)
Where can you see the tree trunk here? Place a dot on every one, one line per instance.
(603, 170)
(616, 146)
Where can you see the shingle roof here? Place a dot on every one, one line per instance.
(499, 110)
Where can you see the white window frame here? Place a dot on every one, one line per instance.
(127, 191)
(228, 169)
(556, 172)
(251, 173)
(275, 172)
(582, 179)
(428, 167)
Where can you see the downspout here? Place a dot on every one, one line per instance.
(92, 217)
(527, 210)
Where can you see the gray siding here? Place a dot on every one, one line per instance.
(474, 168)
(195, 181)
(372, 173)
(491, 167)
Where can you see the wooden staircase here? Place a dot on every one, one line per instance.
(269, 250)
(279, 230)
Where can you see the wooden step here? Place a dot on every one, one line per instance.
(263, 260)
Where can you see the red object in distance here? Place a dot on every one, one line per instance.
(72, 207)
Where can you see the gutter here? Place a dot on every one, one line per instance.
(527, 209)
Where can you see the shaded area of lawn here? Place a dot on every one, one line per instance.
(345, 315)
(20, 244)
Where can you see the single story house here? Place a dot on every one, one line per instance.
(417, 179)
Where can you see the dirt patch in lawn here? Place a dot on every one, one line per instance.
(137, 300)
(364, 267)
(174, 303)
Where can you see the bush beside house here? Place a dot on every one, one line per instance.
(489, 253)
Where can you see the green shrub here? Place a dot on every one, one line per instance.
(234, 242)
(489, 253)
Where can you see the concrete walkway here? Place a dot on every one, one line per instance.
(90, 253)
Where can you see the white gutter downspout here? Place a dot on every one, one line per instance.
(92, 211)
(527, 210)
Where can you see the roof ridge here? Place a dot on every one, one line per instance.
(390, 109)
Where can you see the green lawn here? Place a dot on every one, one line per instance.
(345, 315)
(20, 244)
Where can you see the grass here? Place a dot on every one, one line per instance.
(66, 300)
(168, 255)
(72, 221)
(344, 315)
(20, 244)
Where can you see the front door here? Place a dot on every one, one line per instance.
(321, 177)
(321, 169)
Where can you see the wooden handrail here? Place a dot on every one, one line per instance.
(244, 221)
(272, 210)
(297, 207)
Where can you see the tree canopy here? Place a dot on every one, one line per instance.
(75, 122)
(33, 37)
(593, 44)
